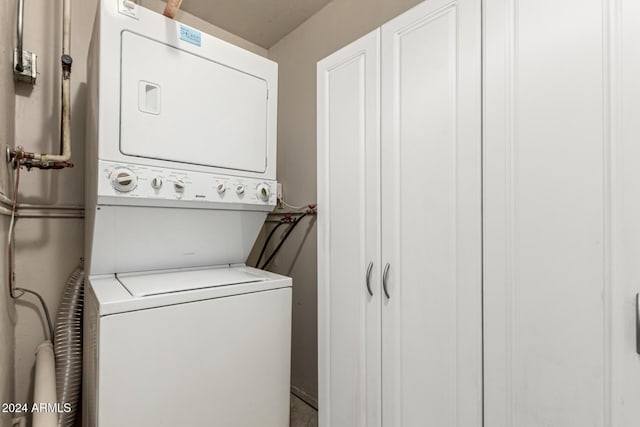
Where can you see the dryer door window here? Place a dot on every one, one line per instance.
(181, 107)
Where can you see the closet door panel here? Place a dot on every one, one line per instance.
(560, 184)
(626, 213)
(431, 221)
(349, 236)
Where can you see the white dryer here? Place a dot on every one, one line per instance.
(181, 144)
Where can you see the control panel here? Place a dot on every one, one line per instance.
(127, 181)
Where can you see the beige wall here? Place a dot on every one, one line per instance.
(7, 311)
(339, 23)
(48, 249)
(199, 24)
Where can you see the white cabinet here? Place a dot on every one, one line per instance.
(431, 216)
(349, 236)
(561, 210)
(408, 353)
(499, 209)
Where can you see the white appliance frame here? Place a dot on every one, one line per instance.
(103, 152)
(106, 41)
(106, 298)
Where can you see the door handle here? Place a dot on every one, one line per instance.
(385, 275)
(368, 280)
(638, 323)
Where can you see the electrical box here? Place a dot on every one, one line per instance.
(29, 70)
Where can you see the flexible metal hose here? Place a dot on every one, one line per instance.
(68, 347)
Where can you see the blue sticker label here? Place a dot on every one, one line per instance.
(190, 35)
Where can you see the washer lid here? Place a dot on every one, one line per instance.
(147, 284)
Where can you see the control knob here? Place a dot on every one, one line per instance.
(179, 186)
(124, 180)
(221, 188)
(263, 192)
(156, 182)
(240, 189)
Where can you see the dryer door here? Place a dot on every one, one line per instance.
(186, 108)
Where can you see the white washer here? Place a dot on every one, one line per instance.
(181, 160)
(195, 347)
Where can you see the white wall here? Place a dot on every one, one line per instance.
(7, 310)
(48, 249)
(336, 25)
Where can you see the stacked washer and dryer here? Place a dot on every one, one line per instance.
(181, 166)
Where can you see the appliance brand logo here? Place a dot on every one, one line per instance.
(190, 35)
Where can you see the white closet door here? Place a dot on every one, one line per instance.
(562, 209)
(625, 102)
(431, 216)
(349, 235)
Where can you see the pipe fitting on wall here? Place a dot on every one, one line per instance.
(52, 161)
(24, 62)
(66, 61)
(18, 157)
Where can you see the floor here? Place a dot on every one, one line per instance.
(302, 415)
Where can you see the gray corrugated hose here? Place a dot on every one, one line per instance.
(68, 347)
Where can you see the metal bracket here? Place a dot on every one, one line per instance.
(11, 158)
(129, 8)
(29, 67)
(638, 323)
